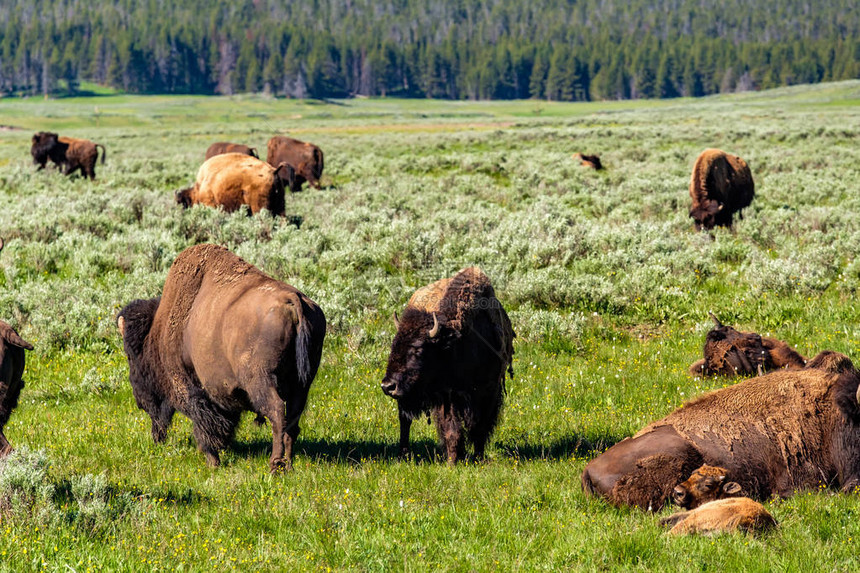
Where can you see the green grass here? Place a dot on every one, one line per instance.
(606, 283)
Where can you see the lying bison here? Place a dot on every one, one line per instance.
(305, 158)
(729, 352)
(222, 147)
(592, 161)
(68, 153)
(223, 338)
(775, 434)
(448, 359)
(720, 186)
(12, 349)
(232, 180)
(724, 515)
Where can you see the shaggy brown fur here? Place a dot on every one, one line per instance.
(222, 147)
(231, 180)
(707, 483)
(305, 158)
(222, 339)
(12, 349)
(448, 359)
(66, 152)
(729, 352)
(592, 161)
(774, 434)
(731, 514)
(720, 186)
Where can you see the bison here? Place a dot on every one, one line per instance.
(12, 348)
(222, 147)
(305, 158)
(223, 338)
(731, 514)
(592, 161)
(720, 186)
(232, 180)
(707, 483)
(729, 352)
(67, 152)
(448, 359)
(775, 434)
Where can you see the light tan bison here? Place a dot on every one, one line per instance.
(722, 515)
(231, 180)
(305, 158)
(720, 186)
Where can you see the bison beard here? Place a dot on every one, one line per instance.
(448, 359)
(12, 360)
(222, 339)
(774, 434)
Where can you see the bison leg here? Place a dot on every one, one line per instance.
(5, 446)
(450, 432)
(405, 426)
(161, 422)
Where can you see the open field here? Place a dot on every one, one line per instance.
(605, 280)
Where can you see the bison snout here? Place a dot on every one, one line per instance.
(680, 496)
(391, 389)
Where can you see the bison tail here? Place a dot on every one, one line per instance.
(318, 163)
(303, 348)
(104, 152)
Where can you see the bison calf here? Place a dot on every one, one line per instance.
(707, 483)
(592, 161)
(720, 186)
(731, 514)
(231, 180)
(448, 359)
(12, 349)
(223, 338)
(728, 352)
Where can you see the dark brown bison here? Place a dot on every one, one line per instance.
(592, 161)
(222, 147)
(232, 180)
(12, 349)
(729, 352)
(723, 515)
(720, 186)
(223, 338)
(305, 158)
(68, 153)
(707, 483)
(448, 359)
(775, 434)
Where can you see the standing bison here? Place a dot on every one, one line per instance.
(720, 186)
(223, 338)
(232, 180)
(448, 359)
(222, 147)
(305, 158)
(68, 153)
(774, 434)
(12, 349)
(728, 352)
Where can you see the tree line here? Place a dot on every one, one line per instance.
(566, 50)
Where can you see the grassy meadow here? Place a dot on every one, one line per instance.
(605, 280)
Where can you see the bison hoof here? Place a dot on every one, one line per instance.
(280, 466)
(5, 451)
(260, 420)
(212, 460)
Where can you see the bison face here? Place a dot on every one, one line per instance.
(707, 483)
(706, 215)
(43, 143)
(183, 197)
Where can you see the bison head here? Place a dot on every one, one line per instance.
(42, 144)
(183, 196)
(707, 215)
(705, 484)
(416, 359)
(134, 322)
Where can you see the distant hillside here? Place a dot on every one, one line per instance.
(457, 49)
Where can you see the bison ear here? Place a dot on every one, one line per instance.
(120, 322)
(732, 488)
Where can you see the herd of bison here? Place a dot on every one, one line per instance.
(224, 338)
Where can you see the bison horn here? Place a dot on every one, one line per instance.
(120, 322)
(720, 208)
(396, 320)
(435, 330)
(715, 319)
(1, 243)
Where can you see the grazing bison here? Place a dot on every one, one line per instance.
(305, 158)
(12, 349)
(729, 352)
(232, 180)
(731, 514)
(67, 152)
(721, 185)
(223, 338)
(222, 147)
(707, 483)
(592, 161)
(448, 359)
(774, 434)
